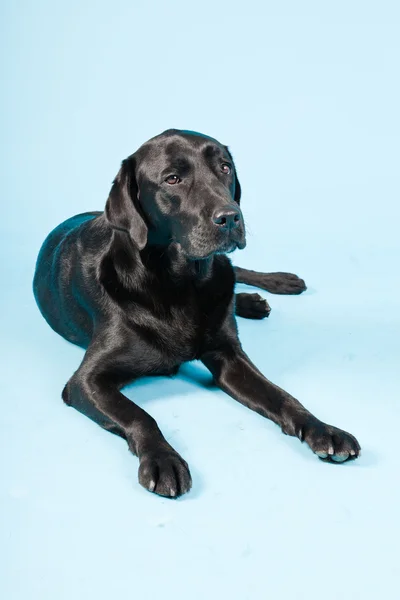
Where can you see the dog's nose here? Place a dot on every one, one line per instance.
(227, 218)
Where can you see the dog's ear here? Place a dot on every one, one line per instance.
(238, 190)
(122, 208)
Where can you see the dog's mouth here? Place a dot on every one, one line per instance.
(202, 251)
(230, 246)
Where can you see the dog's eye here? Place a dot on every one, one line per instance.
(226, 169)
(172, 179)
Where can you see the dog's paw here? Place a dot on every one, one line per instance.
(252, 306)
(330, 443)
(164, 472)
(282, 283)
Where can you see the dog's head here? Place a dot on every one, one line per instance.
(180, 187)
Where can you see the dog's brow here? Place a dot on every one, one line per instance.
(180, 163)
(211, 150)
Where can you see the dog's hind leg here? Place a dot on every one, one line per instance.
(251, 306)
(275, 283)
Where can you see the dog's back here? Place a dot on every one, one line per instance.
(56, 280)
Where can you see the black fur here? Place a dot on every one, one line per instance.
(146, 286)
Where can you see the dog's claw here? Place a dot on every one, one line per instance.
(164, 472)
(329, 443)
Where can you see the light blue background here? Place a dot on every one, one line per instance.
(307, 96)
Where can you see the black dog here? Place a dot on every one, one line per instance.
(146, 286)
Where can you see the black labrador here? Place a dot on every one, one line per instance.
(147, 285)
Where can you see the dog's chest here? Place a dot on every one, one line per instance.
(185, 326)
(182, 320)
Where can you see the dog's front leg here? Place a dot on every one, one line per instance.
(235, 374)
(94, 390)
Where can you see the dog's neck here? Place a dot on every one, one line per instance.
(172, 260)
